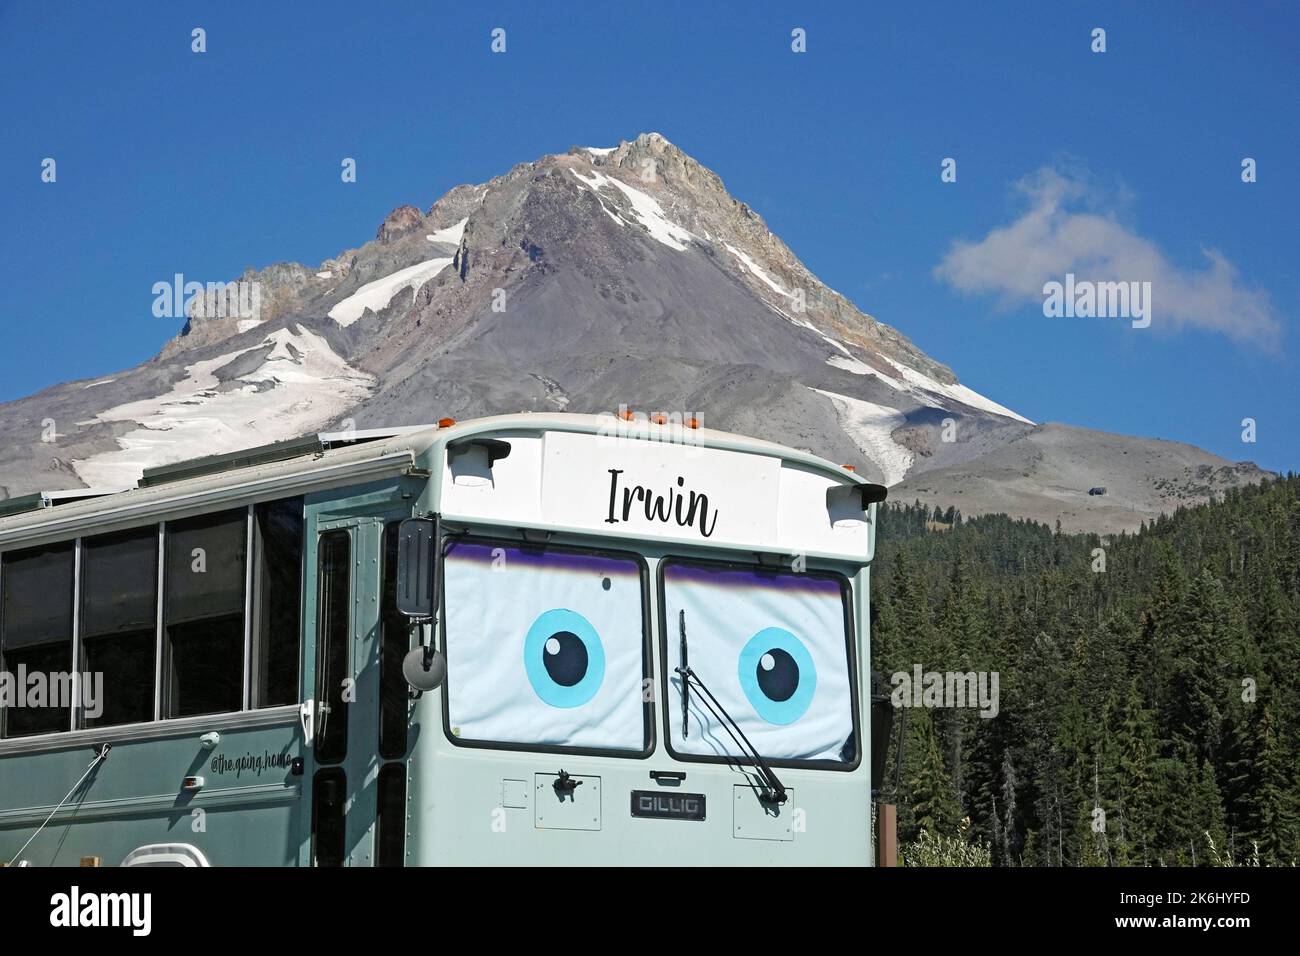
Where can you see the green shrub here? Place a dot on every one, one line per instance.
(933, 850)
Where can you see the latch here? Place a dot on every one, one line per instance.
(565, 784)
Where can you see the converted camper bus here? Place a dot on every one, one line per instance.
(517, 640)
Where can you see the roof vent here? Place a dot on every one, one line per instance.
(49, 499)
(267, 454)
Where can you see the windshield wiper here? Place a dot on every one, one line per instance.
(686, 687)
(773, 790)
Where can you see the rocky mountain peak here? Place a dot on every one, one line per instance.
(578, 281)
(402, 221)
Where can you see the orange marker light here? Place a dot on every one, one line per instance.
(692, 423)
(659, 418)
(625, 414)
(446, 422)
(849, 467)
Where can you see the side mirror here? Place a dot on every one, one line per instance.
(872, 494)
(417, 582)
(424, 668)
(851, 502)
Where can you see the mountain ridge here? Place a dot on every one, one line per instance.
(579, 281)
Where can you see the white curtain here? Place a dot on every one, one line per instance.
(516, 620)
(772, 649)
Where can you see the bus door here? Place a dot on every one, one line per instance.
(357, 713)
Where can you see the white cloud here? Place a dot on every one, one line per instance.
(1065, 230)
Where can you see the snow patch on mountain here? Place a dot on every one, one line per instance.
(300, 385)
(916, 382)
(593, 183)
(646, 209)
(850, 364)
(871, 427)
(976, 400)
(753, 267)
(451, 235)
(376, 295)
(961, 393)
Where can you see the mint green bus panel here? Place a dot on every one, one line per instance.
(248, 811)
(348, 767)
(356, 765)
(233, 788)
(615, 797)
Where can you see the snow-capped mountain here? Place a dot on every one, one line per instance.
(579, 282)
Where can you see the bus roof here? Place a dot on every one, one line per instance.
(334, 459)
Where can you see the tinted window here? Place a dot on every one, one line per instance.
(329, 791)
(206, 558)
(333, 607)
(119, 611)
(390, 831)
(395, 641)
(277, 544)
(36, 634)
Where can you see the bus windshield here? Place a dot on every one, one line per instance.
(545, 647)
(773, 647)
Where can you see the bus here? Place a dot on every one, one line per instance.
(523, 639)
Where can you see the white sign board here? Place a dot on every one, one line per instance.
(660, 489)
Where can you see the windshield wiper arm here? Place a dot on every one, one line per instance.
(686, 687)
(773, 790)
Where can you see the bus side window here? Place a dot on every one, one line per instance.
(119, 623)
(394, 700)
(390, 825)
(395, 641)
(36, 631)
(329, 792)
(333, 612)
(277, 601)
(204, 614)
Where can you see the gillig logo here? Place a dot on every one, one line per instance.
(676, 806)
(688, 512)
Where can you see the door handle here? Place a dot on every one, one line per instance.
(306, 715)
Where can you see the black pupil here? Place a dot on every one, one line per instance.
(782, 680)
(568, 664)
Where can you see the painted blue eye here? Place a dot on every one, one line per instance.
(777, 674)
(564, 658)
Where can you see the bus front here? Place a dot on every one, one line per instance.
(651, 647)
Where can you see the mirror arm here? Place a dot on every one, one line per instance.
(435, 570)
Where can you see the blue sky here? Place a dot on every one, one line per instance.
(170, 161)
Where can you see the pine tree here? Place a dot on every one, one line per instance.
(933, 798)
(1130, 786)
(1143, 712)
(1198, 689)
(1011, 839)
(1275, 813)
